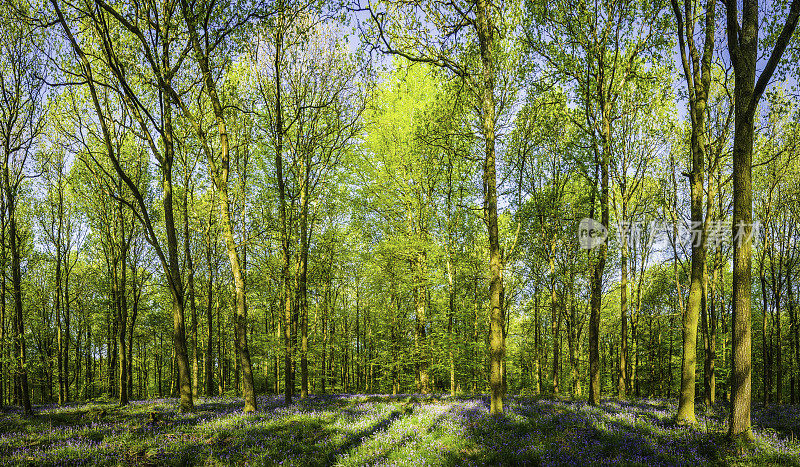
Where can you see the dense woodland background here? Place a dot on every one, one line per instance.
(239, 198)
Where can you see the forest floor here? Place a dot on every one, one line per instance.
(393, 430)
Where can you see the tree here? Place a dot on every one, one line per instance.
(597, 49)
(308, 99)
(743, 49)
(698, 82)
(409, 171)
(61, 223)
(399, 31)
(22, 111)
(203, 46)
(115, 75)
(637, 146)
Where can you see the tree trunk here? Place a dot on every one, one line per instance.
(537, 369)
(766, 361)
(219, 173)
(741, 370)
(420, 333)
(16, 283)
(698, 79)
(120, 275)
(137, 293)
(187, 252)
(284, 227)
(302, 287)
(61, 339)
(178, 303)
(209, 357)
(497, 346)
(573, 342)
(324, 325)
(66, 308)
(3, 289)
(795, 337)
(777, 293)
(622, 366)
(597, 272)
(451, 305)
(554, 322)
(743, 50)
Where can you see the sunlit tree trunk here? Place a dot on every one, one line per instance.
(451, 298)
(554, 322)
(622, 362)
(743, 49)
(219, 170)
(302, 283)
(698, 78)
(209, 357)
(190, 289)
(599, 266)
(497, 347)
(286, 283)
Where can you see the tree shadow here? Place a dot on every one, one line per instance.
(782, 418)
(292, 442)
(573, 433)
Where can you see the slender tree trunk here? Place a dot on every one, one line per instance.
(623, 314)
(4, 375)
(709, 326)
(796, 339)
(302, 289)
(286, 286)
(60, 337)
(5, 372)
(766, 370)
(777, 293)
(136, 294)
(778, 356)
(554, 321)
(62, 359)
(708, 309)
(573, 342)
(178, 303)
(16, 283)
(597, 272)
(120, 275)
(209, 357)
(537, 369)
(187, 252)
(395, 343)
(497, 346)
(451, 308)
(698, 79)
(66, 308)
(324, 325)
(358, 341)
(219, 170)
(421, 337)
